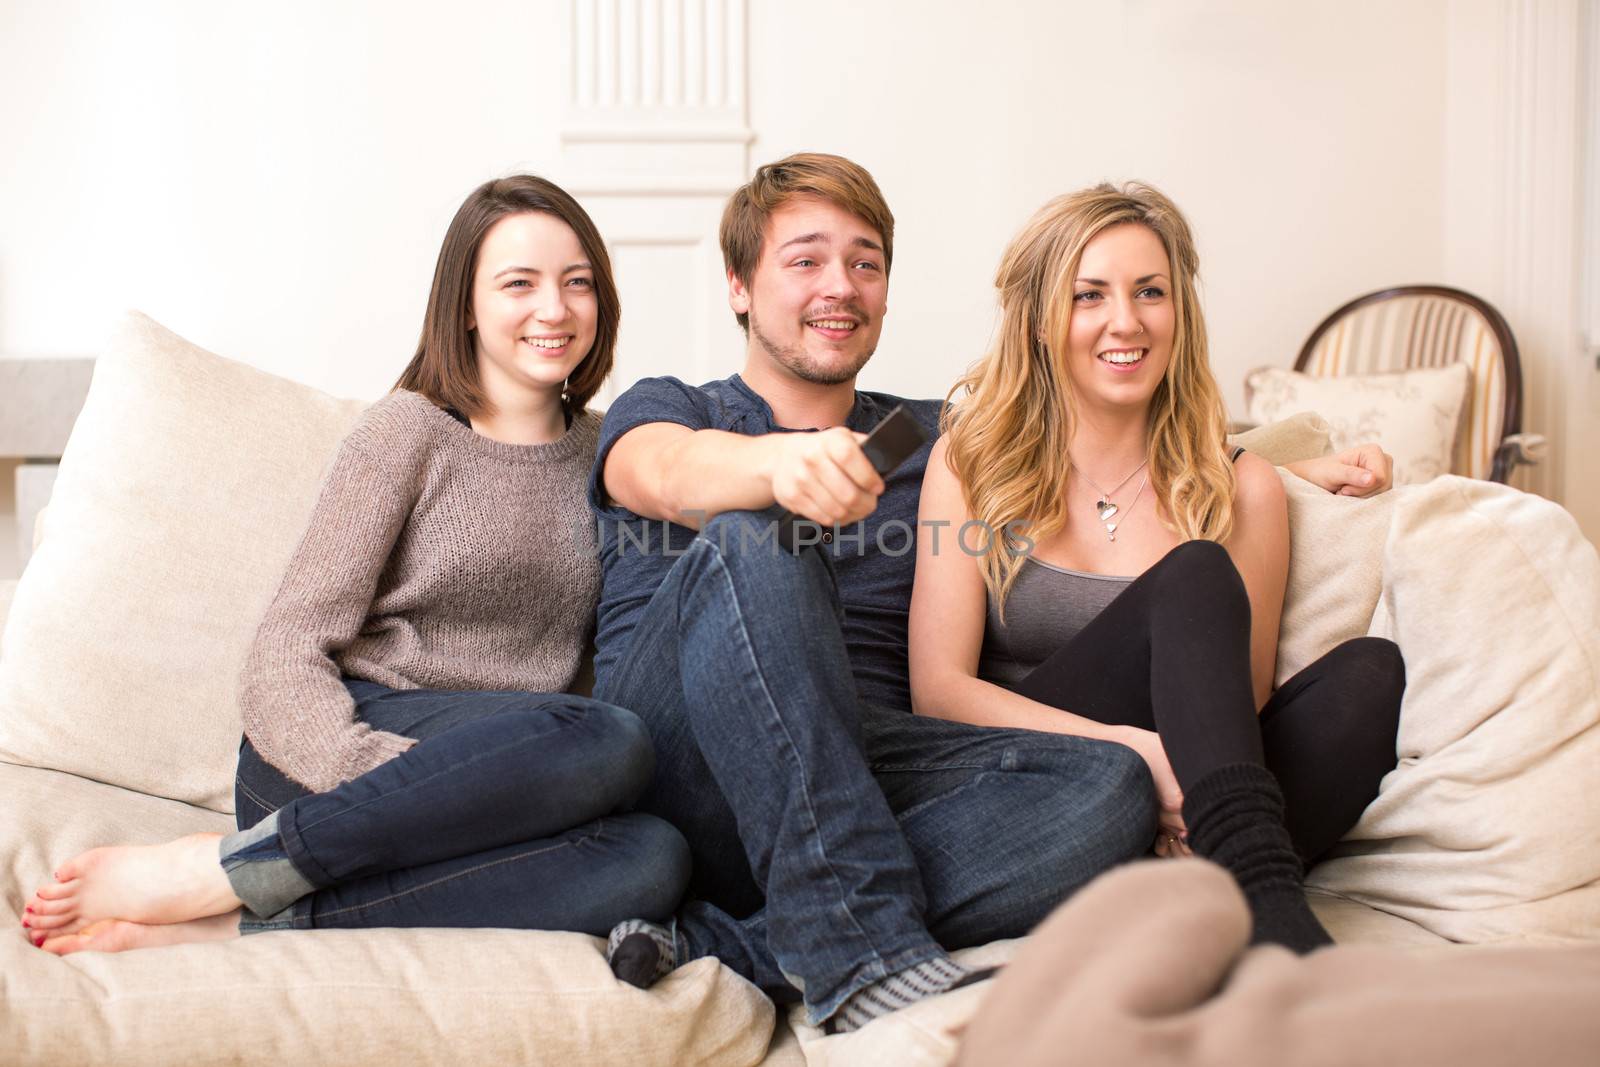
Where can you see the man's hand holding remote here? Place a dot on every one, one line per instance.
(824, 476)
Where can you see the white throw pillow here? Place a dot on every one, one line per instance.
(1335, 548)
(1335, 571)
(1489, 828)
(183, 490)
(1414, 414)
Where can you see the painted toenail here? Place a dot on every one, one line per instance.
(26, 924)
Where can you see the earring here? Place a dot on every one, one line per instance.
(565, 396)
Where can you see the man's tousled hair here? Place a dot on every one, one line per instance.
(833, 179)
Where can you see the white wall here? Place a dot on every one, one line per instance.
(1305, 148)
(1518, 227)
(272, 181)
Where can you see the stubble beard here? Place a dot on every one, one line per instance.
(801, 364)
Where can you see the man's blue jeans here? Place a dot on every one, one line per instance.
(511, 811)
(836, 843)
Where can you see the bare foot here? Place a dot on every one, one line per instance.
(118, 935)
(170, 883)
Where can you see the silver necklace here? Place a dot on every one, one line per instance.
(1104, 507)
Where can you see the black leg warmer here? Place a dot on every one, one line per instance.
(1235, 818)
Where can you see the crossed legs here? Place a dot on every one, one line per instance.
(1171, 654)
(512, 811)
(837, 845)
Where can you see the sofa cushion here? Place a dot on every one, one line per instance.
(183, 490)
(1305, 435)
(351, 997)
(1335, 545)
(1487, 829)
(1335, 571)
(1350, 923)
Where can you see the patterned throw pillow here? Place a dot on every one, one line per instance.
(1414, 414)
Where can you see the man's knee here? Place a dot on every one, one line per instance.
(1105, 801)
(1126, 800)
(746, 544)
(1090, 808)
(744, 534)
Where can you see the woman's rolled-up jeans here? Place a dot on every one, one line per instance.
(511, 811)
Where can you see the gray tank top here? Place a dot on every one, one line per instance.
(1047, 607)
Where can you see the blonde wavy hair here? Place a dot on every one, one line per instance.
(1010, 417)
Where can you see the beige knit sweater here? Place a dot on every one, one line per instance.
(435, 558)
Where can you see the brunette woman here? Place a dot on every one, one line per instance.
(410, 756)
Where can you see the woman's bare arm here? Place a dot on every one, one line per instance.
(1259, 548)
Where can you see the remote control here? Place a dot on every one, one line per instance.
(889, 444)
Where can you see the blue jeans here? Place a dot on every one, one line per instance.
(511, 811)
(836, 843)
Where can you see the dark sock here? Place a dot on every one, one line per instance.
(1235, 818)
(640, 952)
(903, 989)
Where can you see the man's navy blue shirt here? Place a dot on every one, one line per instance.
(874, 570)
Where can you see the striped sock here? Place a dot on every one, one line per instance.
(640, 952)
(903, 989)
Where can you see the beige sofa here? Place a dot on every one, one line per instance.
(180, 497)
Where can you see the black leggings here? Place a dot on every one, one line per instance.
(1172, 654)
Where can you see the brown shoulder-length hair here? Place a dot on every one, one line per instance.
(834, 179)
(445, 368)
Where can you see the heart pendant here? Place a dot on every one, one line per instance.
(1111, 531)
(1106, 509)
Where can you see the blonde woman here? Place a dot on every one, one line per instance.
(1113, 569)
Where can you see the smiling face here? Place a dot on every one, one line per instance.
(533, 313)
(818, 294)
(1119, 339)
